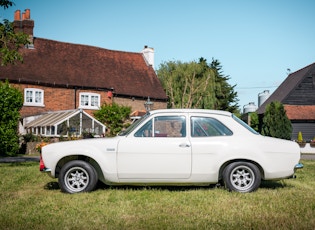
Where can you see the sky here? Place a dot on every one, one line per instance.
(258, 43)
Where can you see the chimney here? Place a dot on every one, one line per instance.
(26, 25)
(28, 14)
(148, 54)
(17, 15)
(17, 23)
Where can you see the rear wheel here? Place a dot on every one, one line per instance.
(242, 177)
(77, 176)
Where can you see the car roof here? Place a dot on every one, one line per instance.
(205, 111)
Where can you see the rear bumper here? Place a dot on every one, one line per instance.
(298, 166)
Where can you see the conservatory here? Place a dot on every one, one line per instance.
(65, 123)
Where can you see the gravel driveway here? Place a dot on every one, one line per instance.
(19, 159)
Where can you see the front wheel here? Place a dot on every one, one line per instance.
(242, 177)
(77, 176)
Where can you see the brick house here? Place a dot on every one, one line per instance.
(59, 76)
(297, 94)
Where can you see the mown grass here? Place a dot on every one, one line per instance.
(32, 200)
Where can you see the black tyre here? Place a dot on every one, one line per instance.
(77, 176)
(242, 177)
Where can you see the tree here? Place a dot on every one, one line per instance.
(188, 85)
(225, 94)
(6, 3)
(11, 98)
(114, 116)
(275, 122)
(10, 104)
(10, 42)
(254, 121)
(197, 85)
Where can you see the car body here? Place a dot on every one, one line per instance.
(174, 147)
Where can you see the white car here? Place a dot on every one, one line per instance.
(174, 147)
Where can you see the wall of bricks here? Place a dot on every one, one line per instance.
(56, 99)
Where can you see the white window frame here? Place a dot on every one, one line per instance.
(90, 100)
(31, 97)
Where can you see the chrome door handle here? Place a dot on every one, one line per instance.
(184, 145)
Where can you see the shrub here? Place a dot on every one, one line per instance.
(300, 137)
(10, 105)
(114, 116)
(275, 122)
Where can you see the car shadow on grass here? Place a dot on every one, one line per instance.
(170, 188)
(274, 184)
(53, 185)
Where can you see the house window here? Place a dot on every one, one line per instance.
(89, 100)
(33, 97)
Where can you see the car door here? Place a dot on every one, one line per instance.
(211, 142)
(158, 150)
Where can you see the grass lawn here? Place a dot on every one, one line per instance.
(32, 200)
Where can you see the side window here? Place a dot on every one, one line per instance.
(89, 100)
(164, 126)
(207, 127)
(169, 126)
(33, 97)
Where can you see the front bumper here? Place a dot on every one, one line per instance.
(45, 170)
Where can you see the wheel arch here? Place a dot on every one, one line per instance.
(223, 166)
(87, 159)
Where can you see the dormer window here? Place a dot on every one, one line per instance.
(33, 97)
(89, 101)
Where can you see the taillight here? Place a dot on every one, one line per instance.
(41, 163)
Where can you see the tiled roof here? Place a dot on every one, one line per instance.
(300, 112)
(286, 87)
(72, 65)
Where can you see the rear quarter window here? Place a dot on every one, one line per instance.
(208, 127)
